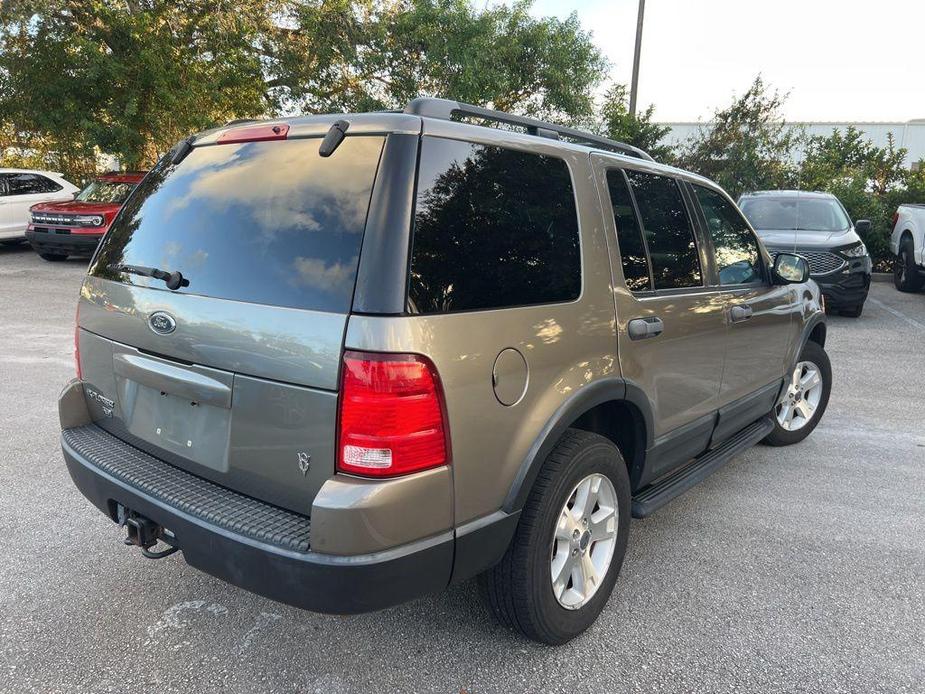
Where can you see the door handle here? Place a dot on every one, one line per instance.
(644, 328)
(740, 313)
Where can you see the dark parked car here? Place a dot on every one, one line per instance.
(817, 227)
(75, 227)
(342, 361)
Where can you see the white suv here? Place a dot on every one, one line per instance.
(20, 189)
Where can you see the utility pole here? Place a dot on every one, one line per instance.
(635, 85)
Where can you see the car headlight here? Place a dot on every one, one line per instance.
(858, 251)
(90, 220)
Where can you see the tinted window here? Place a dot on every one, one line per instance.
(629, 234)
(262, 222)
(30, 184)
(791, 213)
(669, 236)
(493, 227)
(738, 259)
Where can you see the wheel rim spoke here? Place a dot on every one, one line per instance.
(589, 573)
(603, 524)
(562, 567)
(566, 526)
(810, 380)
(785, 415)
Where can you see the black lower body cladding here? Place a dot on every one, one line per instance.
(259, 550)
(50, 243)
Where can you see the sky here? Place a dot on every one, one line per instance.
(851, 60)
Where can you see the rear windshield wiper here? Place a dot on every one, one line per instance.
(173, 280)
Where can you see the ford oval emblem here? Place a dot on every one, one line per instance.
(162, 323)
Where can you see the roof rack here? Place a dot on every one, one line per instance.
(445, 109)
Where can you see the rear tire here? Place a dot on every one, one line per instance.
(52, 257)
(800, 398)
(906, 277)
(519, 590)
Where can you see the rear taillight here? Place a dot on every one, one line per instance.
(895, 219)
(391, 420)
(77, 344)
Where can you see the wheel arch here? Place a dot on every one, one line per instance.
(614, 408)
(817, 334)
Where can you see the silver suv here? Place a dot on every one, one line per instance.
(342, 361)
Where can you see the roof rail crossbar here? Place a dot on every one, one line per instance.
(445, 109)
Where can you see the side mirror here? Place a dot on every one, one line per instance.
(862, 226)
(790, 268)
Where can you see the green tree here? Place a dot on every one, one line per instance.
(131, 77)
(128, 78)
(639, 131)
(748, 146)
(365, 55)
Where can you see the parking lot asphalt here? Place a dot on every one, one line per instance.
(789, 570)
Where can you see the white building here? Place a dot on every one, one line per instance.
(910, 135)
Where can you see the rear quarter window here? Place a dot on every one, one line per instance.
(493, 228)
(259, 222)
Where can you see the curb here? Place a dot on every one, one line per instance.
(881, 277)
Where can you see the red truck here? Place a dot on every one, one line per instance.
(75, 227)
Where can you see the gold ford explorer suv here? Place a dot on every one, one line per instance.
(342, 361)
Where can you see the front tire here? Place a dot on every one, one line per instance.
(853, 312)
(804, 398)
(906, 277)
(566, 554)
(52, 257)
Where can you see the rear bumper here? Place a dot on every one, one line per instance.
(245, 542)
(70, 244)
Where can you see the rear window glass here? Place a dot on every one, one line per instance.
(261, 222)
(493, 228)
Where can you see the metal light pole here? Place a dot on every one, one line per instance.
(635, 85)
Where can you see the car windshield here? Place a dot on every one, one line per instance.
(105, 191)
(793, 213)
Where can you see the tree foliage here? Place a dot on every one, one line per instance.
(870, 181)
(131, 77)
(128, 78)
(638, 130)
(748, 145)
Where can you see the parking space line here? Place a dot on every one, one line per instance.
(899, 314)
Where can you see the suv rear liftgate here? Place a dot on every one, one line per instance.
(209, 345)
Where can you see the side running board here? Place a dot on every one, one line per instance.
(657, 495)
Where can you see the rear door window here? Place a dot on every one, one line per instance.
(30, 184)
(493, 228)
(260, 222)
(738, 259)
(668, 231)
(629, 234)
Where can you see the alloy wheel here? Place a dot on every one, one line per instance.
(583, 541)
(800, 399)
